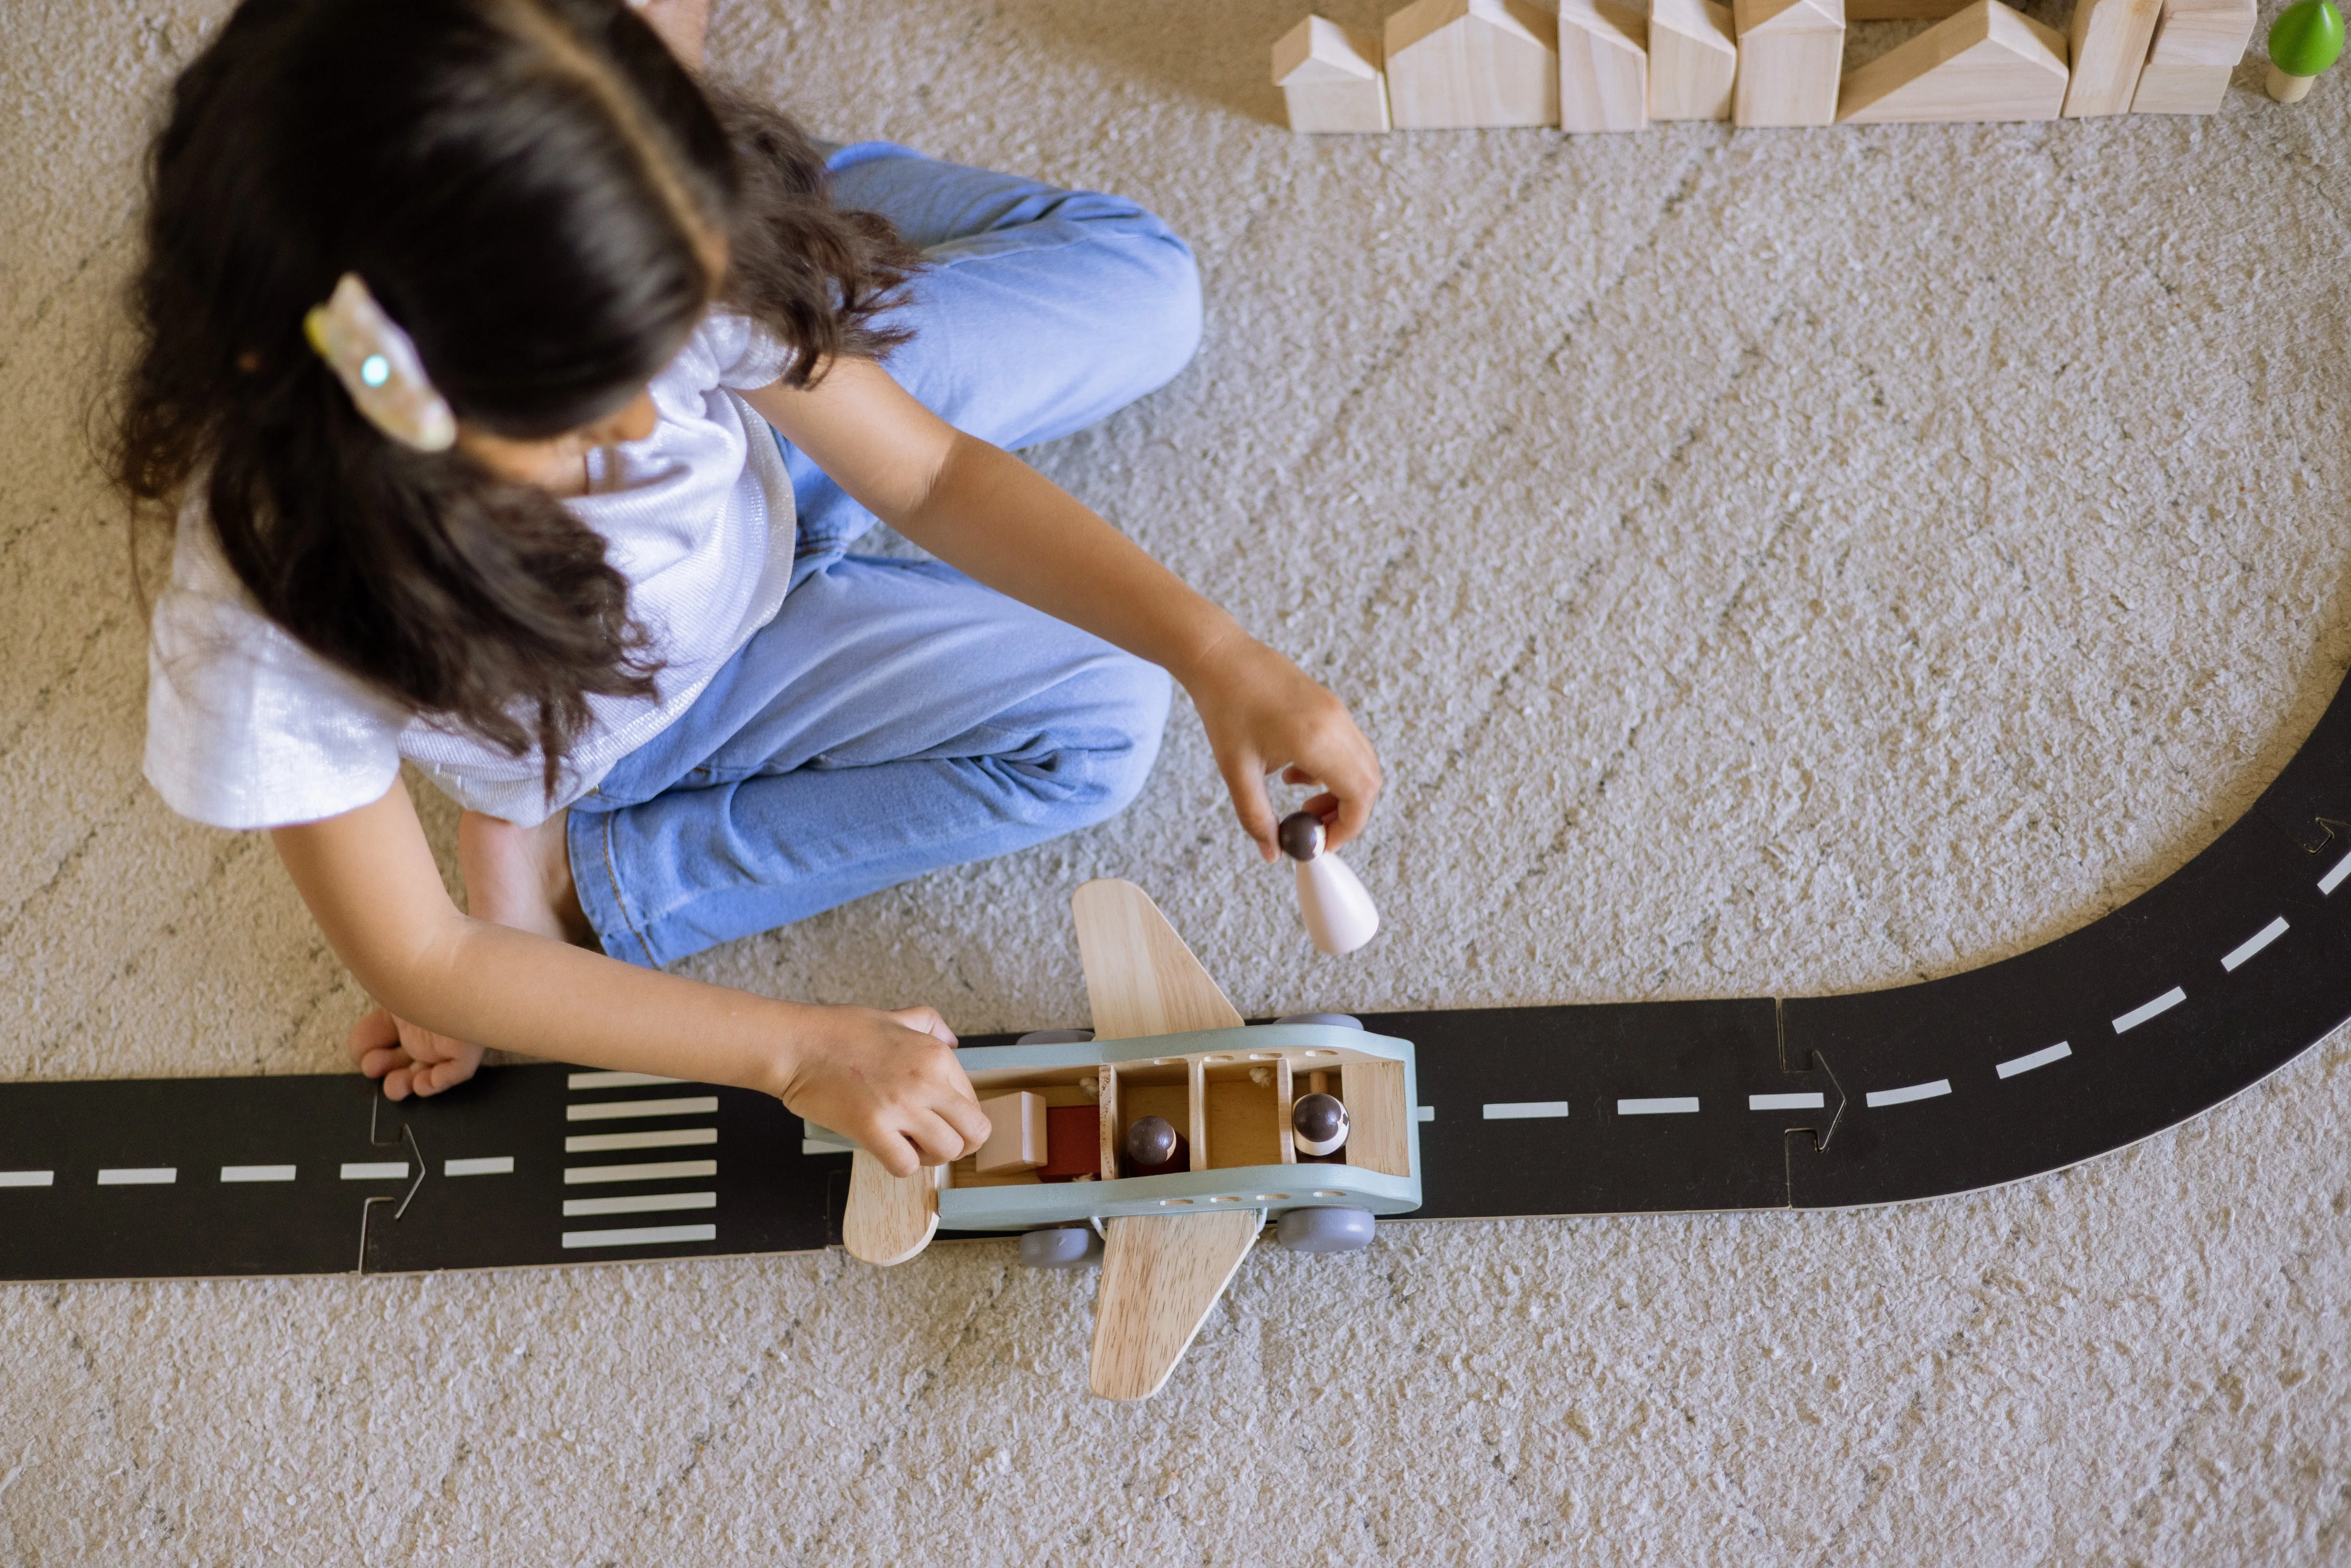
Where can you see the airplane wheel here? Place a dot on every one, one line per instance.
(1060, 1247)
(1055, 1036)
(1339, 1021)
(1325, 1230)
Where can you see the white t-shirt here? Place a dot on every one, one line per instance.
(247, 729)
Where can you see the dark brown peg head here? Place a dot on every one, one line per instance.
(1301, 835)
(1319, 1118)
(1151, 1140)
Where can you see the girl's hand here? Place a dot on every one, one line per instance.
(891, 1081)
(410, 1059)
(1263, 713)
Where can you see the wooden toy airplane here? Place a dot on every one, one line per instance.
(1087, 1140)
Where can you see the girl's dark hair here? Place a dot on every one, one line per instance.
(542, 196)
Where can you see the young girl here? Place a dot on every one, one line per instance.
(464, 324)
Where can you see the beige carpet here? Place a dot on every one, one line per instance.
(1788, 561)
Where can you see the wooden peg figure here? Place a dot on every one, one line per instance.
(1154, 1147)
(1340, 916)
(1319, 1122)
(2304, 42)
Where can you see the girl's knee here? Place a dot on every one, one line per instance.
(1166, 299)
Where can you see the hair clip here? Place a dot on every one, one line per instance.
(377, 363)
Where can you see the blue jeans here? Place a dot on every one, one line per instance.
(897, 716)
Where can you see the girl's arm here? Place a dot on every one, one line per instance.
(888, 1080)
(993, 516)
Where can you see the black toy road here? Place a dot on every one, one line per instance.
(2187, 994)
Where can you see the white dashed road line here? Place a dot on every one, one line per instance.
(1674, 1106)
(1524, 1110)
(487, 1165)
(641, 1236)
(641, 1203)
(2033, 1059)
(27, 1178)
(2333, 879)
(2255, 943)
(2145, 1010)
(258, 1173)
(627, 1110)
(1423, 1113)
(1815, 1100)
(375, 1170)
(1877, 1097)
(140, 1175)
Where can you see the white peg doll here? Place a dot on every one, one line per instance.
(1340, 916)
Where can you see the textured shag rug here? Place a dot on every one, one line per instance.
(1780, 562)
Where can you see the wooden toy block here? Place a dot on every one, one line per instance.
(1693, 59)
(1330, 76)
(1072, 1143)
(1016, 1135)
(1604, 85)
(1461, 63)
(1378, 1140)
(1789, 52)
(1986, 63)
(2109, 41)
(2198, 43)
(1903, 10)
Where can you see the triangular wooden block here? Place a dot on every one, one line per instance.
(1160, 1275)
(1789, 52)
(1693, 60)
(1604, 67)
(1986, 63)
(1330, 76)
(1457, 64)
(1140, 977)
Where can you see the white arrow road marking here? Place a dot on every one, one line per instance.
(1524, 1110)
(660, 1170)
(1682, 1105)
(1816, 1101)
(2033, 1059)
(2145, 1010)
(624, 1110)
(2255, 943)
(1877, 1097)
(641, 1236)
(640, 1203)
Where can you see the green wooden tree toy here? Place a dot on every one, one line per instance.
(2305, 42)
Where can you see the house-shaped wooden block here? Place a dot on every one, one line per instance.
(1330, 76)
(1789, 52)
(1457, 64)
(1986, 63)
(2197, 47)
(2106, 47)
(1604, 67)
(1693, 59)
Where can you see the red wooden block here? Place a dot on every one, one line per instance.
(1072, 1142)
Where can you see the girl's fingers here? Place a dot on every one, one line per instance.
(927, 1020)
(935, 1137)
(966, 1118)
(1244, 779)
(372, 1033)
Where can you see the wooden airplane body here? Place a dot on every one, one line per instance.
(1166, 1043)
